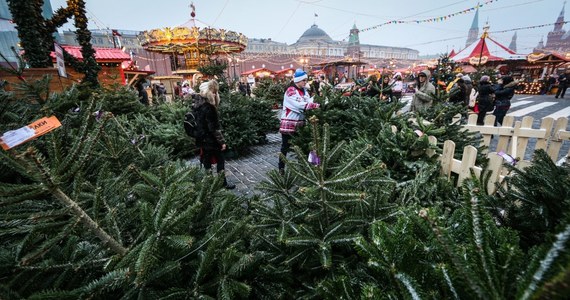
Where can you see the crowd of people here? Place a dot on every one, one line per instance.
(482, 96)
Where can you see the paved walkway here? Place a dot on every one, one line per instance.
(250, 168)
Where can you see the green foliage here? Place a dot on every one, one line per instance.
(536, 200)
(99, 209)
(445, 70)
(350, 117)
(270, 91)
(214, 68)
(313, 213)
(121, 100)
(245, 121)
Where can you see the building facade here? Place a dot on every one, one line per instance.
(316, 42)
(558, 39)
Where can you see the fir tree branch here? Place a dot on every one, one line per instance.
(88, 222)
(547, 262)
(75, 208)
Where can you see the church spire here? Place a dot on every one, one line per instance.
(540, 44)
(560, 20)
(513, 45)
(473, 34)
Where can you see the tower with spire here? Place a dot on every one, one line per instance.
(513, 44)
(558, 38)
(353, 49)
(473, 34)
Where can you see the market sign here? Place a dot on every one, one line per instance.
(13, 138)
(481, 60)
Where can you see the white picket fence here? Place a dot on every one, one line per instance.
(513, 139)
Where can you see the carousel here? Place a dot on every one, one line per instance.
(487, 51)
(191, 46)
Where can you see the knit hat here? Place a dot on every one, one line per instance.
(300, 75)
(459, 75)
(485, 78)
(466, 78)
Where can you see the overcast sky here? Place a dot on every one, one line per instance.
(286, 20)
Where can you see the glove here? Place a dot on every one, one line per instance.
(312, 105)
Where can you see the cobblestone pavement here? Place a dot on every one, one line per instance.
(250, 168)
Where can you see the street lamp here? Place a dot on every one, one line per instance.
(303, 62)
(235, 63)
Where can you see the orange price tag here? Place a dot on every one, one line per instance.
(13, 138)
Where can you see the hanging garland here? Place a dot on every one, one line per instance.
(431, 20)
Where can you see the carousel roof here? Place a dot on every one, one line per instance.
(486, 49)
(183, 38)
(551, 57)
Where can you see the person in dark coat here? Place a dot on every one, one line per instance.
(210, 139)
(385, 88)
(143, 96)
(468, 88)
(562, 84)
(485, 98)
(457, 94)
(372, 89)
(503, 94)
(242, 88)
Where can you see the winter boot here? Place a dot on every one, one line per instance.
(228, 186)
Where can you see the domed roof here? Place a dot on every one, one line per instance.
(314, 33)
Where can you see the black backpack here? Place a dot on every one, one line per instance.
(191, 124)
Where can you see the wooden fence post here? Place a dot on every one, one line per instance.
(446, 158)
(467, 162)
(503, 142)
(547, 126)
(555, 141)
(495, 166)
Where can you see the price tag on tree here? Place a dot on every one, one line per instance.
(13, 138)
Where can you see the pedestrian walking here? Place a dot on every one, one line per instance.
(142, 94)
(562, 84)
(504, 92)
(295, 102)
(485, 98)
(210, 140)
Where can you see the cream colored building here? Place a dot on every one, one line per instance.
(316, 42)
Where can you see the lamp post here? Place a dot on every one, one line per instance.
(303, 62)
(235, 74)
